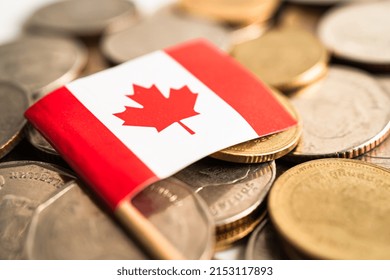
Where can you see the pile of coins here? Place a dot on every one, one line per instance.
(319, 190)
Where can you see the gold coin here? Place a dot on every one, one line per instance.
(334, 209)
(265, 148)
(286, 59)
(228, 236)
(299, 16)
(232, 11)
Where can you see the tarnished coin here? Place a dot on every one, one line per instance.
(265, 148)
(345, 115)
(232, 191)
(264, 244)
(286, 59)
(39, 142)
(41, 64)
(69, 225)
(380, 155)
(81, 17)
(358, 32)
(233, 11)
(13, 102)
(166, 27)
(334, 209)
(24, 185)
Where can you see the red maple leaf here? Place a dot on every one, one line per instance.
(159, 111)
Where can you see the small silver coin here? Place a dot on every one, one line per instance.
(14, 101)
(24, 185)
(264, 244)
(41, 64)
(345, 115)
(231, 191)
(70, 226)
(81, 17)
(167, 27)
(358, 32)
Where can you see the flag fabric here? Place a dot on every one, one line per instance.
(131, 125)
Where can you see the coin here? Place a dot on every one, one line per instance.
(232, 191)
(81, 17)
(24, 185)
(166, 27)
(96, 61)
(286, 59)
(358, 32)
(181, 215)
(264, 244)
(69, 225)
(345, 115)
(380, 155)
(27, 61)
(39, 142)
(334, 209)
(226, 237)
(232, 11)
(265, 148)
(298, 16)
(318, 2)
(13, 102)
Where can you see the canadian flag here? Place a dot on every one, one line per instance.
(144, 120)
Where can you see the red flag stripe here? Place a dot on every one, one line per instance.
(112, 174)
(231, 81)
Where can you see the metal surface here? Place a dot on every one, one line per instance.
(13, 102)
(24, 185)
(41, 64)
(286, 59)
(81, 17)
(359, 32)
(334, 209)
(345, 115)
(165, 28)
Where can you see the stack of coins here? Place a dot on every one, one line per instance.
(283, 196)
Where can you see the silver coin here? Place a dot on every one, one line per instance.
(24, 185)
(39, 142)
(14, 102)
(358, 32)
(264, 244)
(41, 64)
(71, 226)
(181, 215)
(345, 115)
(81, 17)
(381, 154)
(165, 28)
(231, 191)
